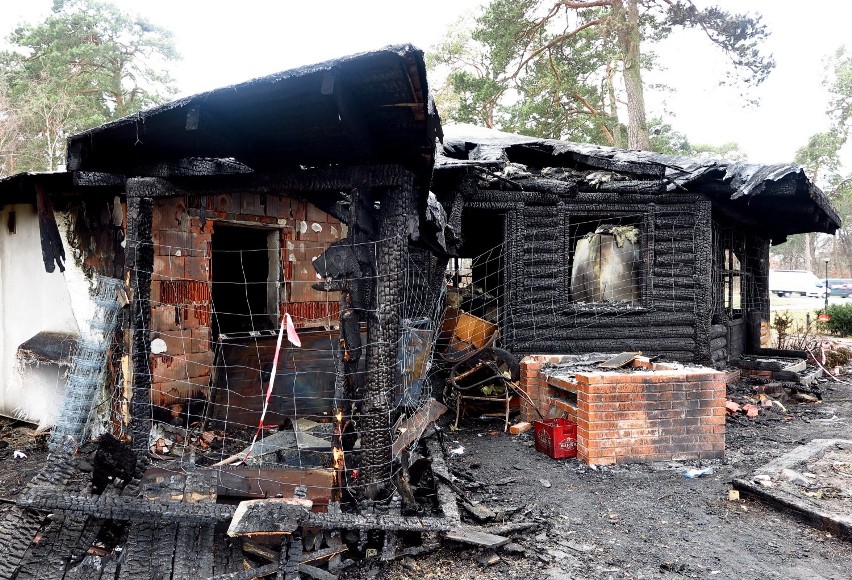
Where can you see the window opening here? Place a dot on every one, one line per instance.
(606, 260)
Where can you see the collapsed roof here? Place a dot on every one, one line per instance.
(776, 200)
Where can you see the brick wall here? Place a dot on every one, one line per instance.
(182, 232)
(666, 412)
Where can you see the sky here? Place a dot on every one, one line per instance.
(225, 43)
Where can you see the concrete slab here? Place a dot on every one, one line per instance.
(813, 480)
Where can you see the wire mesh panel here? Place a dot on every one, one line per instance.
(246, 362)
(89, 363)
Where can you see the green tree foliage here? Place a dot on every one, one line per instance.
(666, 139)
(820, 158)
(559, 68)
(87, 63)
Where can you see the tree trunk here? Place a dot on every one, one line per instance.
(618, 140)
(627, 26)
(809, 252)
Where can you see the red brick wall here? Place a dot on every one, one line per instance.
(180, 283)
(668, 412)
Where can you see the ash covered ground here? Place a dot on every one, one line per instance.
(628, 521)
(641, 520)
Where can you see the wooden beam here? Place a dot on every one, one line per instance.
(290, 181)
(51, 500)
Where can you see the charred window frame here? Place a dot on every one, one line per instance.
(633, 228)
(732, 273)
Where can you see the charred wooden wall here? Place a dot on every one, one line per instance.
(673, 317)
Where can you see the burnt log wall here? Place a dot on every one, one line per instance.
(673, 318)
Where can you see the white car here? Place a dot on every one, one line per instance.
(790, 282)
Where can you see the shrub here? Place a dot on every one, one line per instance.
(841, 319)
(794, 333)
(838, 357)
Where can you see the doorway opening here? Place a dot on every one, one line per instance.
(244, 279)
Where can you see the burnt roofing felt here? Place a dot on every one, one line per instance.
(779, 199)
(369, 108)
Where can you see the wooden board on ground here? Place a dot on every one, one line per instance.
(819, 500)
(150, 547)
(194, 543)
(254, 483)
(468, 535)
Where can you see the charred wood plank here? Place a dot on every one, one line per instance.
(663, 305)
(660, 273)
(324, 554)
(615, 199)
(664, 246)
(470, 535)
(676, 219)
(645, 345)
(529, 316)
(249, 574)
(292, 181)
(624, 187)
(412, 428)
(717, 330)
(194, 542)
(546, 245)
(228, 554)
(89, 568)
(150, 547)
(664, 259)
(267, 516)
(678, 294)
(446, 497)
(594, 332)
(316, 573)
(43, 560)
(512, 197)
(148, 551)
(17, 531)
(19, 526)
(52, 251)
(635, 168)
(277, 517)
(124, 508)
(254, 549)
(783, 353)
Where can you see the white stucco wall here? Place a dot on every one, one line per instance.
(32, 301)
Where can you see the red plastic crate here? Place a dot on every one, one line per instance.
(556, 437)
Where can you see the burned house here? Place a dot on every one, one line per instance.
(198, 235)
(253, 280)
(580, 248)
